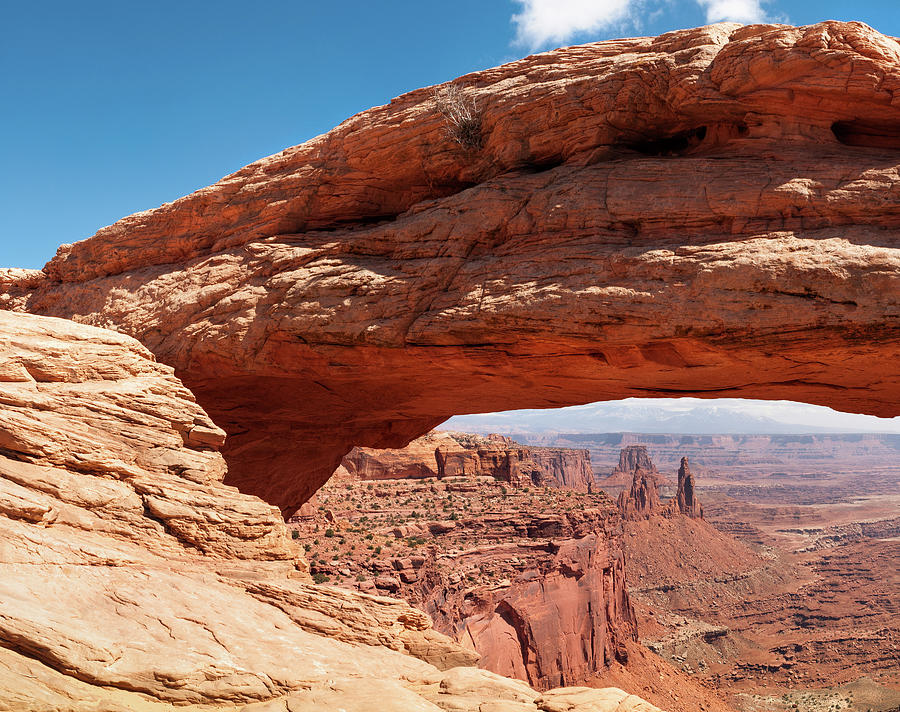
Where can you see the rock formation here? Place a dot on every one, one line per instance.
(642, 500)
(633, 458)
(418, 459)
(710, 212)
(533, 581)
(442, 454)
(132, 578)
(685, 502)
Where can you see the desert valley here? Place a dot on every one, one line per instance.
(742, 602)
(224, 479)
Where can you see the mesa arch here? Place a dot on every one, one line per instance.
(712, 212)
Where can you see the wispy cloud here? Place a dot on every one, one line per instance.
(746, 11)
(542, 23)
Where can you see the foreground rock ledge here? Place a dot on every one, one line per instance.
(131, 578)
(711, 212)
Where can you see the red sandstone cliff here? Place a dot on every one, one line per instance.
(533, 580)
(442, 454)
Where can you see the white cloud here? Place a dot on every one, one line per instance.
(553, 22)
(543, 22)
(746, 11)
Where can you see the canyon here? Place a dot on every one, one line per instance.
(711, 212)
(531, 578)
(778, 607)
(803, 618)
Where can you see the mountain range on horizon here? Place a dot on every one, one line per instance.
(677, 415)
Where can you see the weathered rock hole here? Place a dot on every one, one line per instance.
(868, 133)
(672, 145)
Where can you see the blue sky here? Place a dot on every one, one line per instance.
(112, 107)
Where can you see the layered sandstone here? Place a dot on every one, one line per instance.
(532, 580)
(132, 578)
(443, 454)
(709, 212)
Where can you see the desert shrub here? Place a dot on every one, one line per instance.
(295, 534)
(461, 116)
(329, 532)
(319, 577)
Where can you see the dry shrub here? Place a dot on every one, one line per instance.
(461, 115)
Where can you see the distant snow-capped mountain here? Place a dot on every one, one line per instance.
(678, 415)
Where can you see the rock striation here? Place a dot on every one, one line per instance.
(710, 212)
(444, 454)
(132, 578)
(532, 580)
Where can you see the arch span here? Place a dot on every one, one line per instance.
(593, 244)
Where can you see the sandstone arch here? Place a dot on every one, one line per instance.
(709, 212)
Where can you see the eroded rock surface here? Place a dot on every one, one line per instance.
(531, 579)
(445, 454)
(641, 501)
(132, 578)
(685, 501)
(709, 212)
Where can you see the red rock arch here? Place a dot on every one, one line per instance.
(704, 213)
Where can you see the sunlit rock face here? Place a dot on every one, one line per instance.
(445, 454)
(711, 212)
(130, 573)
(685, 501)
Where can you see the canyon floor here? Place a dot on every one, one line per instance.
(784, 598)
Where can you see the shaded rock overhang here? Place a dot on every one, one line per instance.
(711, 212)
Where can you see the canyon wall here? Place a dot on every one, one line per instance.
(736, 456)
(711, 212)
(533, 580)
(441, 454)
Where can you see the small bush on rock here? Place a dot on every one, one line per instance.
(461, 114)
